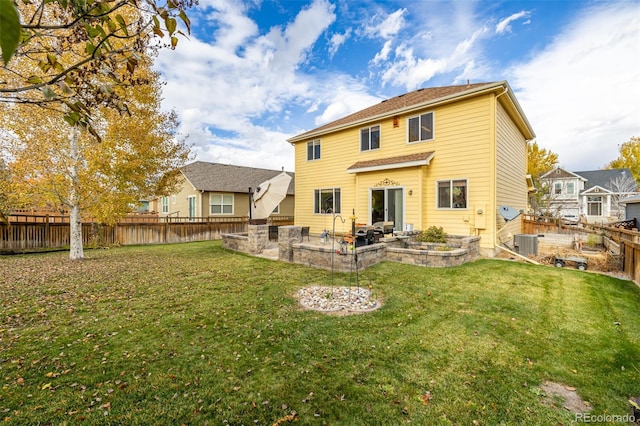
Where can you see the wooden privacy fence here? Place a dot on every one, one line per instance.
(53, 232)
(629, 240)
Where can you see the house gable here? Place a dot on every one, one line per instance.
(596, 190)
(560, 173)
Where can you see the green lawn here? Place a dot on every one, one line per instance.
(195, 334)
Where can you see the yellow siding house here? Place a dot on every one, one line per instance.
(443, 156)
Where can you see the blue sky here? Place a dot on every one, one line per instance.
(254, 73)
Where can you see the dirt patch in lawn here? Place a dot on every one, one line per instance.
(568, 395)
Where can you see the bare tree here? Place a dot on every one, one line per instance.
(621, 186)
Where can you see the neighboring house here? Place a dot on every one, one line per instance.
(632, 209)
(218, 190)
(443, 156)
(592, 195)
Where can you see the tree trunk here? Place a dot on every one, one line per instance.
(76, 251)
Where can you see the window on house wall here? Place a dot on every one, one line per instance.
(276, 210)
(452, 194)
(571, 188)
(313, 150)
(326, 201)
(221, 203)
(594, 205)
(165, 204)
(370, 138)
(557, 188)
(420, 128)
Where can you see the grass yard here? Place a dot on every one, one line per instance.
(194, 334)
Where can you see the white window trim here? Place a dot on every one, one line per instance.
(314, 143)
(466, 180)
(222, 195)
(379, 138)
(320, 212)
(164, 207)
(433, 123)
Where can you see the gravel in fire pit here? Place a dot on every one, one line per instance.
(337, 300)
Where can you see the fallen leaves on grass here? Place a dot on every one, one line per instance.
(426, 398)
(293, 417)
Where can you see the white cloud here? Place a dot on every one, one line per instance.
(338, 40)
(408, 70)
(385, 26)
(240, 77)
(581, 93)
(504, 25)
(383, 54)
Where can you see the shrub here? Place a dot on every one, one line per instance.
(434, 234)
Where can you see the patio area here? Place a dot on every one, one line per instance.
(332, 254)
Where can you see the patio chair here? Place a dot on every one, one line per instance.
(370, 237)
(273, 233)
(305, 232)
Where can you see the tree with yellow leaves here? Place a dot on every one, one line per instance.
(629, 158)
(71, 55)
(539, 161)
(62, 165)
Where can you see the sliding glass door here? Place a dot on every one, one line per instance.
(387, 205)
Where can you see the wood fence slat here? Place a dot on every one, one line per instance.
(34, 233)
(628, 240)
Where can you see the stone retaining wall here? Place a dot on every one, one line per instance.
(329, 258)
(432, 258)
(253, 242)
(236, 242)
(291, 248)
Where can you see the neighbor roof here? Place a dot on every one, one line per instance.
(206, 176)
(603, 178)
(407, 102)
(631, 200)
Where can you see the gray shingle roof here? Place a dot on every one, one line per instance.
(603, 178)
(206, 176)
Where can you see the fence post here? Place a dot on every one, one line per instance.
(47, 233)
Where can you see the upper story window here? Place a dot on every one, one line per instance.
(313, 150)
(452, 194)
(221, 203)
(165, 204)
(420, 128)
(370, 138)
(557, 188)
(326, 200)
(571, 188)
